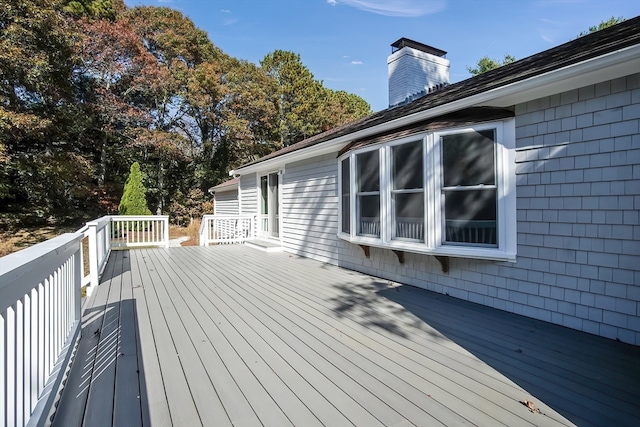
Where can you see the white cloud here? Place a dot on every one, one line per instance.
(225, 11)
(357, 62)
(401, 8)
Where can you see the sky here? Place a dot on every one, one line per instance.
(345, 43)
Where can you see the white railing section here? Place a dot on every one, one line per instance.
(39, 324)
(131, 231)
(99, 244)
(226, 229)
(40, 308)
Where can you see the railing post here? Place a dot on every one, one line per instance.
(166, 231)
(93, 257)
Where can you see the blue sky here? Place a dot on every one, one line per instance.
(345, 43)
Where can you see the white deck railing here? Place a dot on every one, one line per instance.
(40, 319)
(226, 229)
(40, 308)
(131, 231)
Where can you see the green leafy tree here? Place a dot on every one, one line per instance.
(295, 94)
(134, 201)
(602, 25)
(485, 64)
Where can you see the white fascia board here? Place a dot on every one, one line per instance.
(606, 67)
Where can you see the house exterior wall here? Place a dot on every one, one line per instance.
(578, 208)
(310, 207)
(226, 203)
(248, 194)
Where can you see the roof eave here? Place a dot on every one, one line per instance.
(609, 66)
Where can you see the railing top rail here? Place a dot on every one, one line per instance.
(101, 222)
(228, 216)
(23, 266)
(138, 217)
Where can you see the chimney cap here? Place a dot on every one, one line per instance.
(405, 42)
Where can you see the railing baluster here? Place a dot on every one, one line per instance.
(41, 337)
(19, 361)
(3, 369)
(10, 372)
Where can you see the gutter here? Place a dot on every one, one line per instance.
(606, 67)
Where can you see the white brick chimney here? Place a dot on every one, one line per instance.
(415, 69)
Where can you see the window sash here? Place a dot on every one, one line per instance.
(368, 200)
(345, 196)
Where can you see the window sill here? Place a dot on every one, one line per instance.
(490, 254)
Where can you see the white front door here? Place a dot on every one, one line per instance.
(269, 205)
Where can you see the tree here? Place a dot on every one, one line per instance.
(485, 64)
(339, 108)
(134, 201)
(602, 25)
(295, 94)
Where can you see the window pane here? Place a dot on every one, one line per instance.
(407, 166)
(468, 158)
(471, 216)
(409, 215)
(346, 199)
(264, 205)
(368, 171)
(369, 218)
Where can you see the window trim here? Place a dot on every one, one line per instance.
(434, 243)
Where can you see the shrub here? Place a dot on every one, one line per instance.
(134, 201)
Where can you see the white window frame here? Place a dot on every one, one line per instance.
(434, 243)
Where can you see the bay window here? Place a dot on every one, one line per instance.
(448, 192)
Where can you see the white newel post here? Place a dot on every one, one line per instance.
(165, 220)
(94, 269)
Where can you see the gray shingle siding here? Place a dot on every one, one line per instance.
(578, 197)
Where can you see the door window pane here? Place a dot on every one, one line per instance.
(264, 195)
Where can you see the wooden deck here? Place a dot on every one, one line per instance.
(229, 335)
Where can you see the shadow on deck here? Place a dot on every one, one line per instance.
(229, 335)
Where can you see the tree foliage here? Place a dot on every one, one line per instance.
(88, 87)
(485, 64)
(602, 25)
(134, 199)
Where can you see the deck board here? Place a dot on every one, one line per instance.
(229, 335)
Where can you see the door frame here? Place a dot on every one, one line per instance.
(273, 216)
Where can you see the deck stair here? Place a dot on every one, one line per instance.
(265, 245)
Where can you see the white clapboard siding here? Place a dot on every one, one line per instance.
(310, 208)
(226, 203)
(248, 194)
